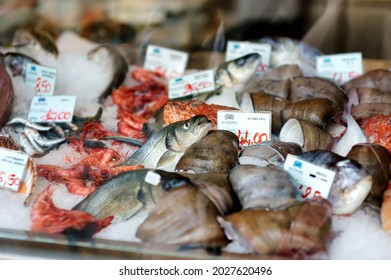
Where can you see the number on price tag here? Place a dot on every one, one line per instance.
(170, 63)
(340, 67)
(12, 168)
(43, 79)
(251, 128)
(191, 84)
(311, 180)
(52, 108)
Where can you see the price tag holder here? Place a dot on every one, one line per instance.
(56, 108)
(237, 49)
(311, 180)
(340, 67)
(251, 128)
(12, 168)
(192, 84)
(42, 78)
(152, 178)
(171, 63)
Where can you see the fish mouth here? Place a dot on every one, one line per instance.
(202, 120)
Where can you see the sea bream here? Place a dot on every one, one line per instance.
(165, 147)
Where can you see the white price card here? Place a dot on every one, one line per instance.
(251, 128)
(340, 67)
(171, 63)
(41, 78)
(192, 84)
(310, 179)
(12, 168)
(237, 49)
(56, 108)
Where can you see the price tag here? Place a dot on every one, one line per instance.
(12, 168)
(42, 78)
(251, 128)
(311, 180)
(237, 49)
(169, 62)
(56, 108)
(191, 84)
(340, 67)
(152, 178)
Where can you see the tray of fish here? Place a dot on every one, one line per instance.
(137, 175)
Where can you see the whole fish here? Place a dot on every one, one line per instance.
(31, 40)
(123, 195)
(237, 71)
(351, 184)
(17, 63)
(109, 56)
(166, 146)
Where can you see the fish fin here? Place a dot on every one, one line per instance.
(167, 158)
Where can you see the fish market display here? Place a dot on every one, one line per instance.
(134, 166)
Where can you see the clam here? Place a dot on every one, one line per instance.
(317, 111)
(265, 102)
(363, 111)
(298, 231)
(185, 216)
(28, 183)
(275, 88)
(376, 160)
(268, 152)
(379, 79)
(266, 187)
(303, 88)
(306, 135)
(215, 152)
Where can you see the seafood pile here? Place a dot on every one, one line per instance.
(148, 169)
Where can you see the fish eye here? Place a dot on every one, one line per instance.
(186, 125)
(241, 62)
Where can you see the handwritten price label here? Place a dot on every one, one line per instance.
(340, 67)
(55, 108)
(251, 128)
(191, 84)
(311, 180)
(237, 49)
(43, 79)
(12, 168)
(171, 63)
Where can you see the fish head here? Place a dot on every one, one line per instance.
(14, 62)
(188, 132)
(101, 55)
(238, 70)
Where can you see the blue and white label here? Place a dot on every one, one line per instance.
(41, 78)
(170, 63)
(192, 84)
(311, 180)
(339, 67)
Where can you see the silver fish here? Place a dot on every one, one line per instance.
(351, 185)
(42, 141)
(124, 195)
(237, 71)
(30, 136)
(166, 146)
(109, 56)
(17, 63)
(20, 120)
(26, 145)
